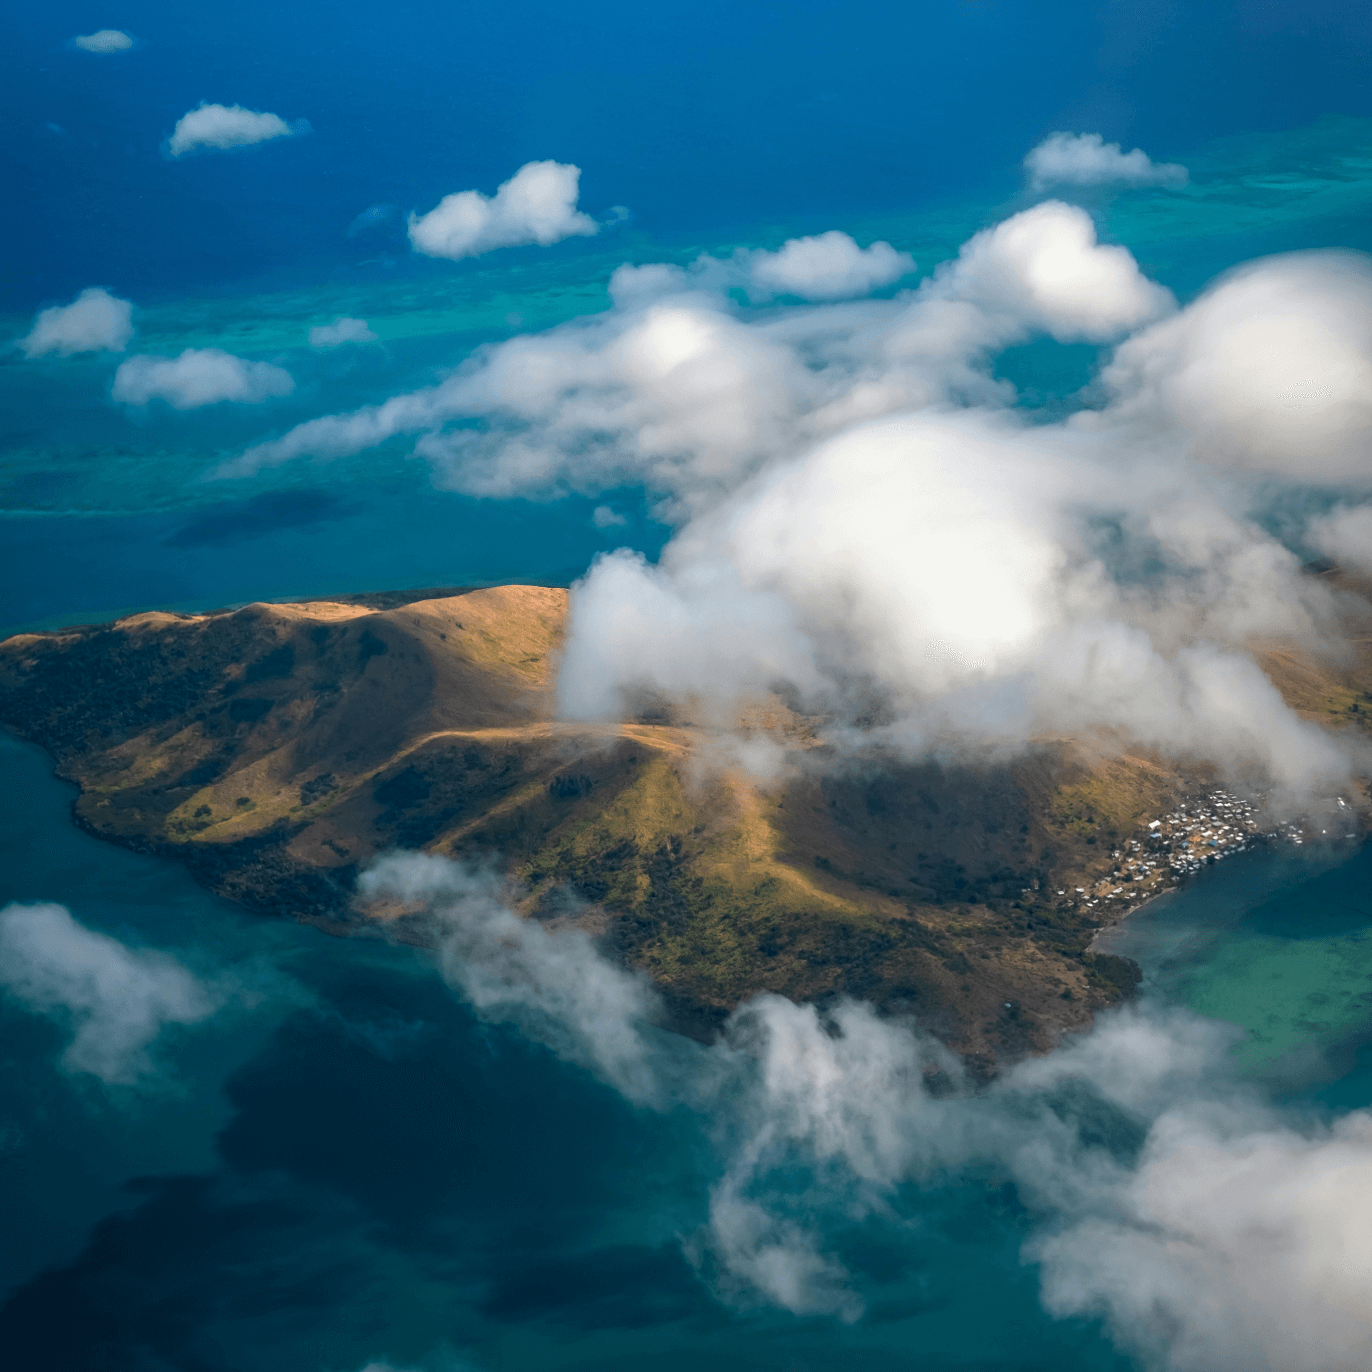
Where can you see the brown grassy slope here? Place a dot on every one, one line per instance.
(279, 747)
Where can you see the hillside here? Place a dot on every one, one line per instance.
(277, 748)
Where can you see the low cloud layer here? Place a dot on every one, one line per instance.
(104, 40)
(199, 376)
(116, 999)
(1086, 159)
(221, 127)
(95, 321)
(341, 331)
(536, 205)
(869, 521)
(1210, 1233)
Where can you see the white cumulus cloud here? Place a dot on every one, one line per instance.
(1269, 371)
(226, 126)
(1046, 268)
(536, 205)
(1086, 159)
(828, 266)
(342, 330)
(117, 999)
(104, 40)
(95, 321)
(199, 376)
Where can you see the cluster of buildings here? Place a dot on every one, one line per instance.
(1182, 842)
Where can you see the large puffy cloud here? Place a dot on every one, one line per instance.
(866, 520)
(117, 999)
(1269, 371)
(104, 40)
(222, 127)
(1210, 1232)
(1045, 268)
(199, 376)
(933, 562)
(1086, 159)
(828, 266)
(536, 205)
(95, 321)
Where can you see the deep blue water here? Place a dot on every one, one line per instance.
(693, 115)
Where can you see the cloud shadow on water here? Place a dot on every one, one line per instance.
(383, 1145)
(260, 514)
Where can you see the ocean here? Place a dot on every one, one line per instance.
(345, 1166)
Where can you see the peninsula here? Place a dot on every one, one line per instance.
(277, 748)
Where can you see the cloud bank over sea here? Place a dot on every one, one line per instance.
(870, 521)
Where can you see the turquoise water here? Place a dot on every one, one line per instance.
(1279, 944)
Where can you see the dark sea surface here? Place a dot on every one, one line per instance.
(343, 1165)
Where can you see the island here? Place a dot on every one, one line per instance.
(277, 749)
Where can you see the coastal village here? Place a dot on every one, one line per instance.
(1187, 839)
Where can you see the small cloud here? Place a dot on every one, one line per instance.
(104, 40)
(371, 218)
(117, 998)
(95, 321)
(1086, 159)
(199, 376)
(536, 205)
(342, 330)
(228, 126)
(603, 517)
(828, 266)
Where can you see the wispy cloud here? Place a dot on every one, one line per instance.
(1217, 1235)
(103, 41)
(116, 999)
(342, 330)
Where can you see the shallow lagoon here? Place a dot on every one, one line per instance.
(1277, 941)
